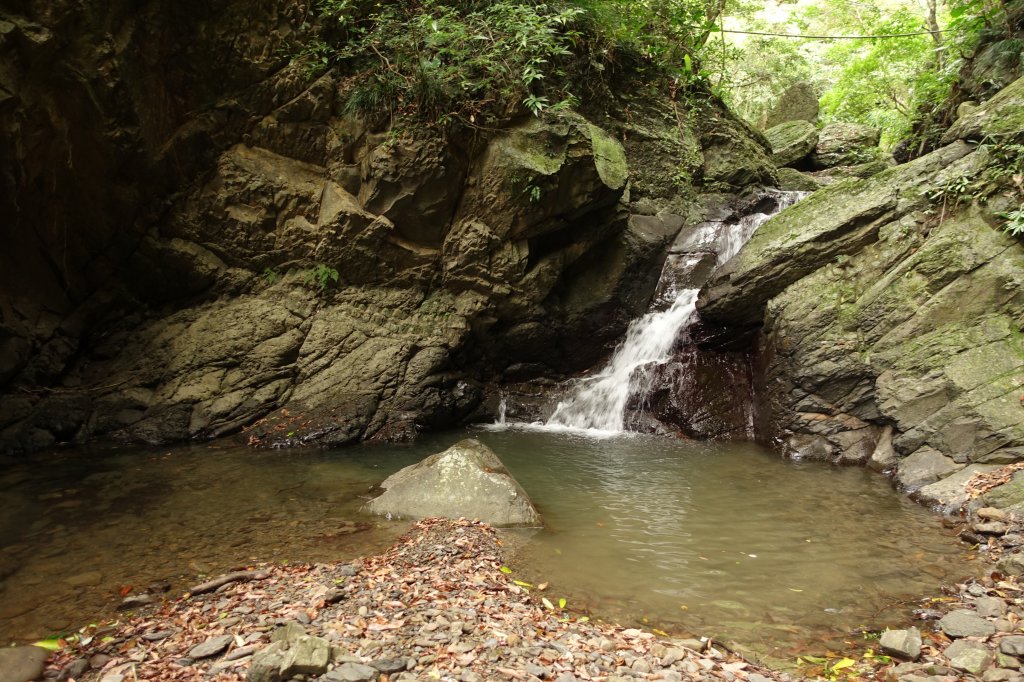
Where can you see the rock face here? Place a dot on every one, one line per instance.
(465, 481)
(798, 103)
(888, 324)
(195, 250)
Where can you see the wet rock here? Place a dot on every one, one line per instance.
(22, 663)
(466, 480)
(969, 656)
(352, 672)
(135, 601)
(210, 647)
(964, 623)
(902, 643)
(991, 528)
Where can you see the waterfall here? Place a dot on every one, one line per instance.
(599, 402)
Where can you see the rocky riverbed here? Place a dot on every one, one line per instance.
(441, 605)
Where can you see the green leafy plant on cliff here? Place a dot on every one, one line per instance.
(320, 276)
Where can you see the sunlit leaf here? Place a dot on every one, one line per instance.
(562, 602)
(547, 604)
(843, 663)
(51, 644)
(505, 569)
(522, 584)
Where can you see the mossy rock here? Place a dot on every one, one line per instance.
(1001, 116)
(792, 141)
(792, 180)
(798, 103)
(845, 144)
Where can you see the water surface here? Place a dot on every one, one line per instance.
(697, 538)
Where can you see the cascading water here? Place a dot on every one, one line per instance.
(599, 402)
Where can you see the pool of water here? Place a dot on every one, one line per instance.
(697, 538)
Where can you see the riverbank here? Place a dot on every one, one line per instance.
(438, 605)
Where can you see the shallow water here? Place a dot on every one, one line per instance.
(698, 538)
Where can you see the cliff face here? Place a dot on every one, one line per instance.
(199, 238)
(887, 313)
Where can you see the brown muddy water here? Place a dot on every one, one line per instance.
(726, 540)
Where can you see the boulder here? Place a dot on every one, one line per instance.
(999, 116)
(845, 144)
(923, 467)
(951, 492)
(466, 480)
(970, 657)
(792, 180)
(903, 643)
(22, 663)
(792, 141)
(965, 623)
(799, 102)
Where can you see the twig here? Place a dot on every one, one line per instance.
(212, 585)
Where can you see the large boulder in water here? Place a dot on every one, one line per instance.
(466, 480)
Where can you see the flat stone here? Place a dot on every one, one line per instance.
(923, 467)
(1007, 661)
(902, 643)
(991, 528)
(352, 672)
(307, 655)
(389, 666)
(951, 491)
(964, 623)
(1000, 675)
(211, 647)
(22, 663)
(991, 514)
(990, 607)
(969, 656)
(1012, 645)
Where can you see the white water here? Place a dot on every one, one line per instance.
(598, 403)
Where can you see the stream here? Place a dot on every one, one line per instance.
(694, 538)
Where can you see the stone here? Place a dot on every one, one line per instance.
(306, 655)
(466, 480)
(791, 141)
(845, 144)
(1012, 645)
(792, 180)
(923, 467)
(288, 633)
(1001, 675)
(991, 514)
(991, 528)
(798, 102)
(950, 493)
(265, 665)
(990, 607)
(74, 669)
(210, 647)
(971, 657)
(389, 666)
(22, 663)
(903, 643)
(1001, 115)
(1011, 564)
(352, 672)
(964, 623)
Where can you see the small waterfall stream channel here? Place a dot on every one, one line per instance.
(715, 538)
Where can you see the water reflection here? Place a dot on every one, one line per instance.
(702, 538)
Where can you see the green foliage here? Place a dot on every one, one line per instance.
(319, 276)
(1014, 221)
(271, 275)
(465, 60)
